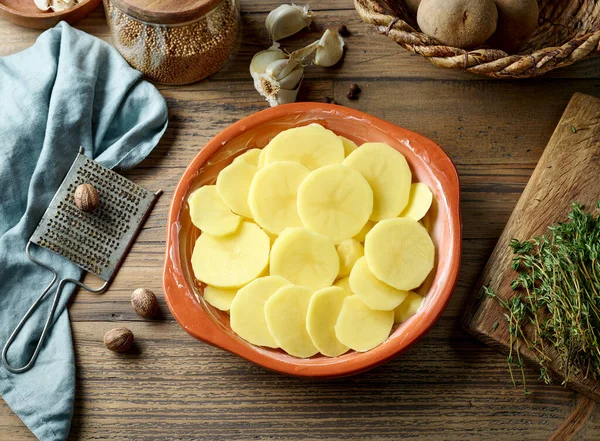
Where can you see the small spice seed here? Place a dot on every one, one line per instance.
(86, 198)
(118, 339)
(144, 302)
(353, 92)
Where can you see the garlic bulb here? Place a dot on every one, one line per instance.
(278, 76)
(55, 5)
(330, 49)
(286, 20)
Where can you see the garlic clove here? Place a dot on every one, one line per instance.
(302, 54)
(42, 5)
(292, 79)
(286, 96)
(286, 20)
(263, 59)
(280, 69)
(329, 49)
(61, 5)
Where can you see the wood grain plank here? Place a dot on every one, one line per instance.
(445, 388)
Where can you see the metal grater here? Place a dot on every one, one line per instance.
(97, 242)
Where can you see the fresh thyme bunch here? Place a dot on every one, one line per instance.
(558, 295)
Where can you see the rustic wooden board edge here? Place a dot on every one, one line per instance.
(481, 313)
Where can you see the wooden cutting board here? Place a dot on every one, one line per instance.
(568, 171)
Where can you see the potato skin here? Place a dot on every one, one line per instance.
(458, 23)
(517, 21)
(413, 5)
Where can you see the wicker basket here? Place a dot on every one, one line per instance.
(568, 31)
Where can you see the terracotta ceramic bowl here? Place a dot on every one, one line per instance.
(25, 13)
(429, 164)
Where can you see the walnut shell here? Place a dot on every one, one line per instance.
(118, 339)
(86, 198)
(144, 302)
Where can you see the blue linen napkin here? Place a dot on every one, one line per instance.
(68, 89)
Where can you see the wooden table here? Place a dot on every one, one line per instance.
(447, 387)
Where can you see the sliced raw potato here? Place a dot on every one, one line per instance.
(363, 233)
(248, 310)
(305, 258)
(389, 175)
(375, 293)
(250, 156)
(336, 201)
(419, 201)
(220, 298)
(312, 146)
(360, 327)
(400, 253)
(349, 146)
(273, 194)
(233, 185)
(234, 260)
(285, 313)
(210, 214)
(349, 251)
(261, 157)
(408, 307)
(344, 283)
(323, 311)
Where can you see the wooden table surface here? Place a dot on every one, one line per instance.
(447, 387)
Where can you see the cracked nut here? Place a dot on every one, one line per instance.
(86, 198)
(118, 339)
(144, 302)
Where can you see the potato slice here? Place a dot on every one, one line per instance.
(408, 307)
(250, 156)
(285, 312)
(233, 185)
(349, 146)
(336, 201)
(419, 201)
(323, 311)
(375, 293)
(389, 175)
(313, 146)
(360, 327)
(363, 233)
(231, 261)
(248, 310)
(210, 214)
(400, 253)
(349, 251)
(305, 258)
(261, 157)
(344, 283)
(273, 194)
(220, 298)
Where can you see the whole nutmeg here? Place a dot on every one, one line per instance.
(86, 198)
(118, 339)
(144, 302)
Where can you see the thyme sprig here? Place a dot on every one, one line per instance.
(556, 305)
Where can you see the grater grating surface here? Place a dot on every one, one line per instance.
(96, 242)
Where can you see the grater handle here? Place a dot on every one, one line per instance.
(32, 309)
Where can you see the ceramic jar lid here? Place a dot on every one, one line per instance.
(166, 11)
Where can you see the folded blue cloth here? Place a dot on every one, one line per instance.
(68, 89)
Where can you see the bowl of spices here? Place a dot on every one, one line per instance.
(174, 42)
